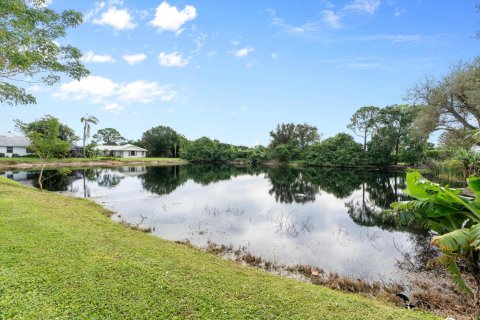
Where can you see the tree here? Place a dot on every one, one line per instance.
(306, 135)
(394, 124)
(450, 103)
(42, 126)
(87, 120)
(284, 134)
(45, 143)
(29, 51)
(297, 135)
(363, 122)
(108, 136)
(340, 150)
(161, 141)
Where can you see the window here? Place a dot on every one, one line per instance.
(132, 153)
(9, 149)
(29, 151)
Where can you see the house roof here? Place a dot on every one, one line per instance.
(127, 147)
(13, 141)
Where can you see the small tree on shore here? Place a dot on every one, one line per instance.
(46, 143)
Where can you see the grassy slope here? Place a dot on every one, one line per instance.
(63, 258)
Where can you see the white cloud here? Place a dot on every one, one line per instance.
(274, 55)
(295, 30)
(113, 108)
(132, 59)
(143, 91)
(173, 59)
(331, 18)
(98, 58)
(234, 42)
(119, 19)
(92, 87)
(97, 89)
(363, 6)
(242, 53)
(170, 18)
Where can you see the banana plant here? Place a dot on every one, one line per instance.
(455, 219)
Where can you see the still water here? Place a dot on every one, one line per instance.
(332, 219)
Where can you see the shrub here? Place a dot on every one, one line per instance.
(340, 150)
(285, 152)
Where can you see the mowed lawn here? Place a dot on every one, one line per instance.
(62, 258)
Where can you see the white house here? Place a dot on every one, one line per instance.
(11, 145)
(126, 151)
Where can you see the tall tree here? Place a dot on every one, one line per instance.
(363, 122)
(161, 141)
(46, 143)
(297, 135)
(87, 121)
(284, 134)
(306, 135)
(450, 103)
(108, 136)
(29, 51)
(394, 125)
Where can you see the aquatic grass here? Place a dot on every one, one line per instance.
(63, 258)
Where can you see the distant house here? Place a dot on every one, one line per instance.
(125, 151)
(14, 146)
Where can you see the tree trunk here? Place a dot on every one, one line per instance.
(41, 176)
(84, 138)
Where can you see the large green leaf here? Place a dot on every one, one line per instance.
(453, 241)
(449, 262)
(475, 235)
(474, 184)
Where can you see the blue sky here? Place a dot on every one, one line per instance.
(232, 70)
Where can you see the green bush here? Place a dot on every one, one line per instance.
(285, 152)
(340, 150)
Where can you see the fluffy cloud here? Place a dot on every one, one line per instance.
(119, 19)
(96, 89)
(143, 91)
(132, 59)
(92, 87)
(99, 58)
(331, 18)
(242, 53)
(169, 18)
(364, 6)
(173, 59)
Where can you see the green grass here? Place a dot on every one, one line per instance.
(63, 258)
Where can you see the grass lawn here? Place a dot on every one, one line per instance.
(63, 258)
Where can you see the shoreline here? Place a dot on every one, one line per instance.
(17, 165)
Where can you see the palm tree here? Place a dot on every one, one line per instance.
(87, 120)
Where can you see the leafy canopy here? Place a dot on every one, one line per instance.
(29, 51)
(108, 136)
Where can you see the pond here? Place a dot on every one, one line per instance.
(328, 218)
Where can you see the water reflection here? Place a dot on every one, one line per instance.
(328, 218)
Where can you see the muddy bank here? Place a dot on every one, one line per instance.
(427, 289)
(102, 163)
